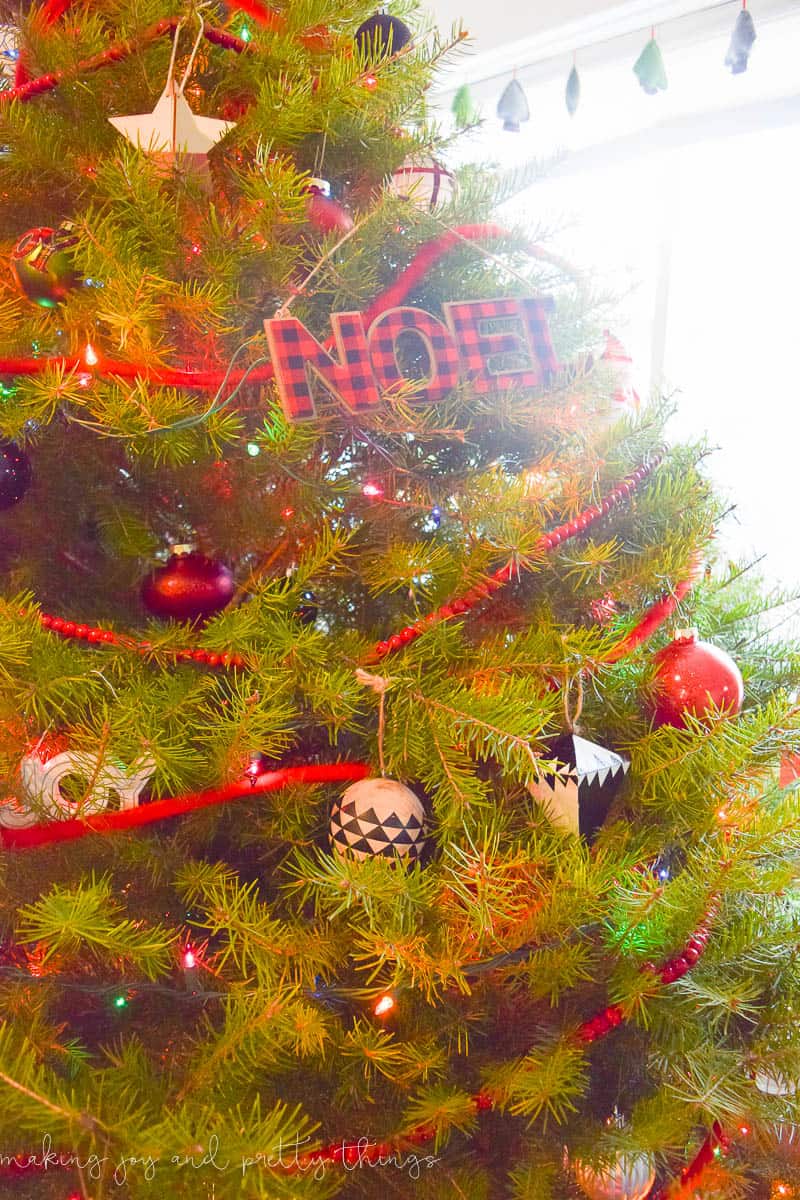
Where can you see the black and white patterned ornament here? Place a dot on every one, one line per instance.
(577, 795)
(773, 1082)
(378, 817)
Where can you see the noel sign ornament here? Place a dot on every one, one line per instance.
(41, 787)
(494, 345)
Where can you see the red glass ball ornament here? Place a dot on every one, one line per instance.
(693, 677)
(325, 214)
(190, 587)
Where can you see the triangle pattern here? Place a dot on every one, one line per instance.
(378, 818)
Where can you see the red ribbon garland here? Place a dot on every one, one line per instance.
(133, 818)
(210, 380)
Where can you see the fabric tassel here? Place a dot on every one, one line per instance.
(512, 107)
(742, 38)
(650, 70)
(573, 93)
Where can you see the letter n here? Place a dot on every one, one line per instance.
(297, 358)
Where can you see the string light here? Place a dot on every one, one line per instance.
(287, 513)
(370, 83)
(744, 1130)
(245, 34)
(90, 356)
(436, 516)
(120, 1001)
(189, 959)
(384, 1005)
(253, 449)
(372, 490)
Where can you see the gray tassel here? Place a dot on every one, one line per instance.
(512, 107)
(573, 93)
(742, 38)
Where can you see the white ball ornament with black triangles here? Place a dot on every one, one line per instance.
(378, 818)
(577, 790)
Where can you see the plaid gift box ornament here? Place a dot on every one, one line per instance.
(577, 793)
(378, 817)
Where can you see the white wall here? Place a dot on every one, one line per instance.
(507, 21)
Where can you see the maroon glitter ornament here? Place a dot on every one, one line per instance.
(693, 677)
(190, 587)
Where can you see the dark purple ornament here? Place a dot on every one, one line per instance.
(380, 35)
(190, 587)
(15, 474)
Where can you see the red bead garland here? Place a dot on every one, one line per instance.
(598, 1026)
(548, 541)
(96, 636)
(653, 617)
(26, 89)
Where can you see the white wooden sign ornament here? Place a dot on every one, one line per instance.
(42, 796)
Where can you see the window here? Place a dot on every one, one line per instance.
(686, 205)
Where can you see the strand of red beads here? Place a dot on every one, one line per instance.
(352, 1153)
(548, 541)
(673, 969)
(460, 605)
(107, 637)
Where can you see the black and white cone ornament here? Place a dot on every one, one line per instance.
(578, 794)
(742, 38)
(630, 1177)
(378, 817)
(512, 107)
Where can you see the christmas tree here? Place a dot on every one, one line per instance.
(371, 822)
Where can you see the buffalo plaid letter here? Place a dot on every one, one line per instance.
(503, 343)
(437, 344)
(297, 358)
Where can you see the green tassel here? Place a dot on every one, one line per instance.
(649, 68)
(463, 108)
